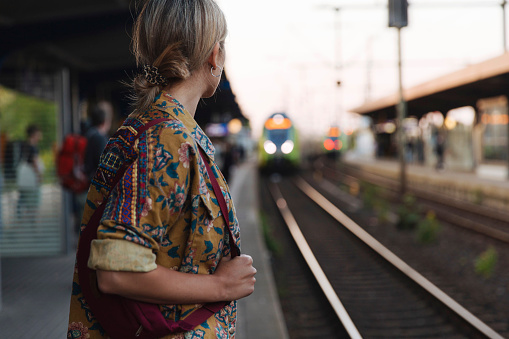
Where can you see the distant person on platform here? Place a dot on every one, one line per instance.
(97, 136)
(228, 160)
(440, 150)
(29, 176)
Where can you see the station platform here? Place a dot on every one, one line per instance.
(36, 290)
(462, 185)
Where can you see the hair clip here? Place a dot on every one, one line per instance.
(153, 76)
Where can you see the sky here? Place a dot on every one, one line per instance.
(287, 55)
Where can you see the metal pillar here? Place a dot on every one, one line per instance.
(398, 17)
(504, 37)
(338, 106)
(1, 228)
(401, 110)
(66, 126)
(504, 33)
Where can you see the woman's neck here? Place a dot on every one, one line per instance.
(188, 92)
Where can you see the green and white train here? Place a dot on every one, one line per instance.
(279, 149)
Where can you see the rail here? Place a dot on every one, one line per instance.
(313, 264)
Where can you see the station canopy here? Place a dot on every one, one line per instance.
(464, 87)
(90, 38)
(87, 35)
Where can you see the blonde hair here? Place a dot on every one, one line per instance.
(177, 37)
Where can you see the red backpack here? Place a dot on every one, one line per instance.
(70, 163)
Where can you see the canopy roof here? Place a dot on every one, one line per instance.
(91, 38)
(88, 35)
(461, 88)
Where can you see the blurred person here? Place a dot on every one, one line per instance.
(440, 150)
(29, 176)
(228, 160)
(162, 238)
(97, 136)
(409, 150)
(241, 153)
(420, 150)
(99, 122)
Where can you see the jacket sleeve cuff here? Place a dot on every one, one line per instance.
(120, 255)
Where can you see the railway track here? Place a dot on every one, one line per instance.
(374, 293)
(480, 219)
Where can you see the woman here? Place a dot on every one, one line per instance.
(162, 238)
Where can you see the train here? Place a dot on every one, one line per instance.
(333, 143)
(279, 148)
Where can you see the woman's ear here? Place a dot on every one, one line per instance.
(215, 56)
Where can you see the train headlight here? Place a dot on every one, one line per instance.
(269, 147)
(287, 147)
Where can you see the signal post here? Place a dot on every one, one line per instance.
(398, 17)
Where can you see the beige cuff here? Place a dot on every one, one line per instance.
(120, 255)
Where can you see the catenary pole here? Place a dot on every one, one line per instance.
(504, 33)
(401, 111)
(398, 17)
(504, 37)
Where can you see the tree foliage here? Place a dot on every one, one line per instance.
(18, 111)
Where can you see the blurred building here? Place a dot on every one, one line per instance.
(468, 109)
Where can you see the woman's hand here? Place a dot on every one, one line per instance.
(236, 276)
(232, 280)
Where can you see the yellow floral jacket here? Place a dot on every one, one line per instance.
(163, 211)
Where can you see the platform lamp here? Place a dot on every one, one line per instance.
(398, 17)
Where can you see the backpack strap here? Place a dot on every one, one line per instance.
(206, 311)
(125, 166)
(234, 249)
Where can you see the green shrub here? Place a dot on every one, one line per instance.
(485, 262)
(272, 245)
(408, 213)
(373, 199)
(478, 196)
(382, 210)
(428, 228)
(370, 194)
(354, 188)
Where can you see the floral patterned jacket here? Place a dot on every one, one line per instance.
(162, 212)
